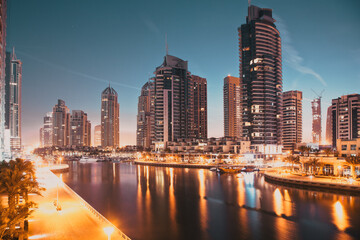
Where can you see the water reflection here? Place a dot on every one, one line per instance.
(174, 203)
(340, 217)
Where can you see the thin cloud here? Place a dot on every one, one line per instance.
(84, 75)
(152, 26)
(291, 55)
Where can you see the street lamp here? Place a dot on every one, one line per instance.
(108, 230)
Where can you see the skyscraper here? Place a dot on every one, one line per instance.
(292, 119)
(200, 106)
(260, 78)
(2, 73)
(328, 133)
(13, 83)
(97, 135)
(346, 117)
(109, 118)
(316, 120)
(232, 107)
(173, 116)
(144, 117)
(46, 132)
(61, 124)
(80, 129)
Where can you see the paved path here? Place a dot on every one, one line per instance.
(332, 180)
(74, 221)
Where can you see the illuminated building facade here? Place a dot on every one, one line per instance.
(110, 135)
(97, 135)
(328, 133)
(2, 75)
(13, 80)
(232, 107)
(144, 116)
(260, 78)
(61, 124)
(173, 116)
(46, 132)
(316, 120)
(292, 119)
(345, 118)
(80, 129)
(200, 106)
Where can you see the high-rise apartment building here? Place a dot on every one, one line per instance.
(2, 74)
(328, 133)
(260, 78)
(292, 119)
(173, 116)
(13, 80)
(110, 135)
(80, 129)
(200, 106)
(232, 107)
(46, 132)
(345, 118)
(97, 136)
(316, 120)
(144, 117)
(61, 124)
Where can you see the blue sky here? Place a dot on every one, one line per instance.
(72, 49)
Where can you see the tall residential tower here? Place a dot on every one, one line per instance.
(316, 120)
(232, 107)
(13, 80)
(200, 106)
(144, 116)
(260, 78)
(292, 119)
(61, 124)
(346, 118)
(173, 116)
(110, 135)
(2, 73)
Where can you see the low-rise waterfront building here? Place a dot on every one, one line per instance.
(348, 147)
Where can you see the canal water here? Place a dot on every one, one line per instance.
(148, 202)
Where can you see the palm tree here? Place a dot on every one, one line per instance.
(304, 149)
(17, 178)
(353, 161)
(328, 151)
(313, 162)
(292, 160)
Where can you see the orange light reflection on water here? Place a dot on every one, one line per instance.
(340, 216)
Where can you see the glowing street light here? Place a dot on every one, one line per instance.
(60, 158)
(108, 230)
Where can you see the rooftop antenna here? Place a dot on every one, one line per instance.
(13, 54)
(166, 45)
(249, 2)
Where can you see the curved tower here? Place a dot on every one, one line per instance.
(260, 78)
(109, 118)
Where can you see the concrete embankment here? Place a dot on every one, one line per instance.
(313, 184)
(175, 165)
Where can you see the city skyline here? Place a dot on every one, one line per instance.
(61, 63)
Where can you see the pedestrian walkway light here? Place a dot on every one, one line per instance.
(108, 231)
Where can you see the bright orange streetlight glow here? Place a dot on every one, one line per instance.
(108, 230)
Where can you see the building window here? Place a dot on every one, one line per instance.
(353, 147)
(343, 147)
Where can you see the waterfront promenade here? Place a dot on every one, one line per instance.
(76, 220)
(315, 182)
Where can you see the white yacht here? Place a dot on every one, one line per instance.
(86, 159)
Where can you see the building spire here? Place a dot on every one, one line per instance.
(166, 45)
(249, 2)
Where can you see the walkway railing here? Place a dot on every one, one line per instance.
(98, 215)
